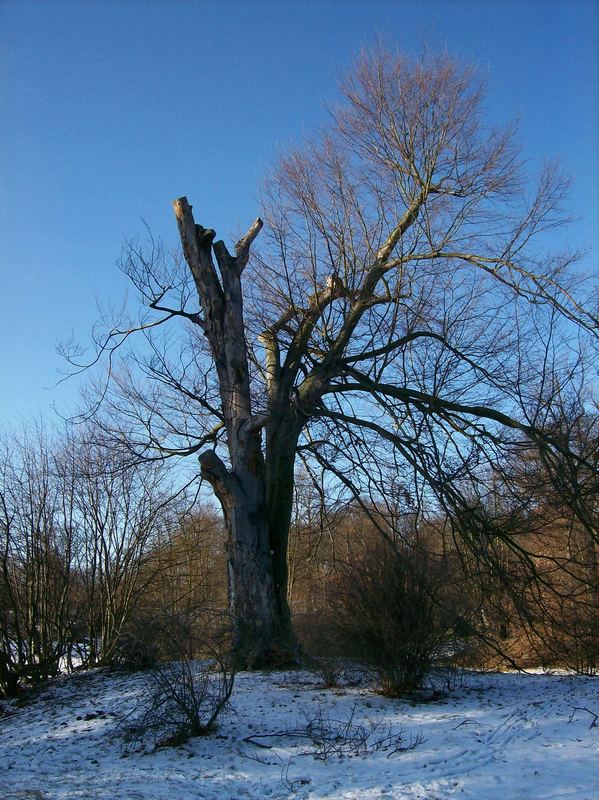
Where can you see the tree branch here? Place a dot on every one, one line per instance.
(242, 248)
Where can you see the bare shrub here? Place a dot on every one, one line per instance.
(321, 646)
(184, 697)
(571, 639)
(394, 612)
(354, 737)
(138, 648)
(330, 670)
(330, 737)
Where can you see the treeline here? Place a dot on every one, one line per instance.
(420, 597)
(509, 579)
(102, 560)
(90, 544)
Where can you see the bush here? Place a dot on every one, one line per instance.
(138, 648)
(395, 612)
(9, 677)
(572, 638)
(184, 697)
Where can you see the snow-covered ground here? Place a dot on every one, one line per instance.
(494, 737)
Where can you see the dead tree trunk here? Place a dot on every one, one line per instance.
(256, 499)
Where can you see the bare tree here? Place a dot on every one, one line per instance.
(403, 309)
(36, 561)
(560, 519)
(121, 510)
(187, 566)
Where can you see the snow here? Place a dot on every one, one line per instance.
(495, 736)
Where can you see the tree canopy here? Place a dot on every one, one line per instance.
(402, 322)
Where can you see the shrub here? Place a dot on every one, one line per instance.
(184, 697)
(572, 638)
(395, 612)
(137, 648)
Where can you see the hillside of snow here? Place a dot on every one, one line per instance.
(492, 737)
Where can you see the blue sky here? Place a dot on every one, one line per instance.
(111, 109)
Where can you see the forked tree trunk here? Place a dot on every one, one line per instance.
(256, 496)
(256, 561)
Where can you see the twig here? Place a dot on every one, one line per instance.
(588, 710)
(251, 739)
(466, 721)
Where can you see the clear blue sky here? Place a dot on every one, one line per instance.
(109, 110)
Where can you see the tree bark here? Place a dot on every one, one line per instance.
(256, 559)
(256, 499)
(281, 445)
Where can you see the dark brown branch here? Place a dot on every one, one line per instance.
(433, 402)
(179, 312)
(394, 345)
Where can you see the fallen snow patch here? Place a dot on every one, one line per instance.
(496, 737)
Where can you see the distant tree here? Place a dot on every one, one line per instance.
(403, 310)
(78, 528)
(36, 561)
(121, 511)
(562, 536)
(186, 566)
